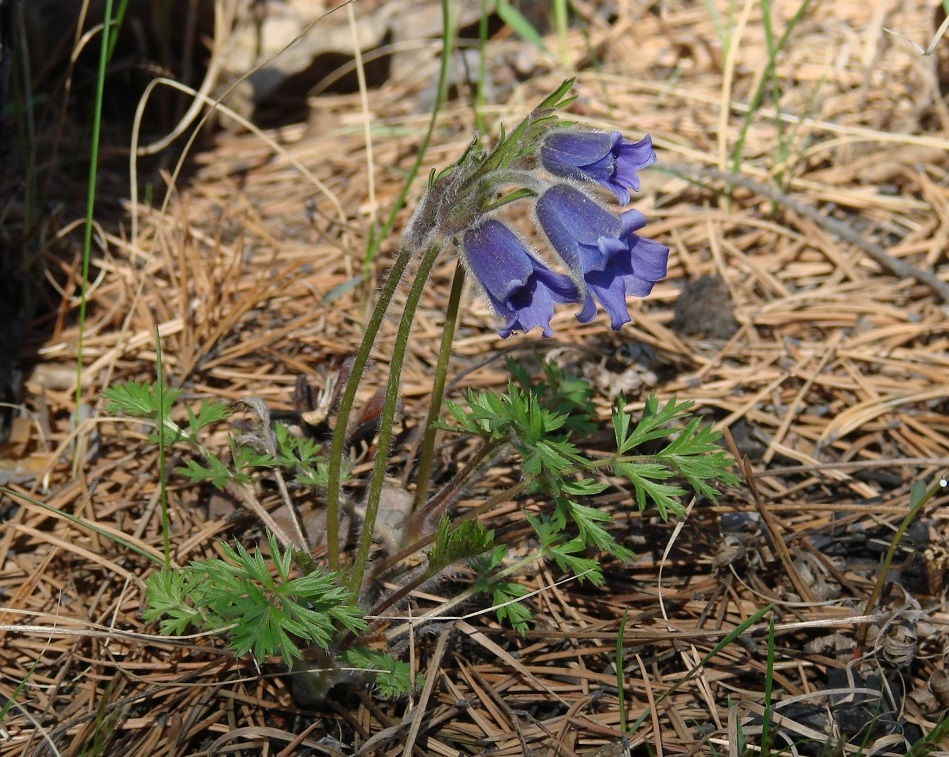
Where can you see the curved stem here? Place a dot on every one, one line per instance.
(338, 445)
(104, 55)
(362, 357)
(472, 514)
(391, 401)
(431, 509)
(438, 389)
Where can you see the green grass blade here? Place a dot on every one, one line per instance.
(521, 26)
(117, 23)
(83, 523)
(768, 692)
(561, 22)
(728, 639)
(934, 741)
(774, 48)
(105, 50)
(162, 470)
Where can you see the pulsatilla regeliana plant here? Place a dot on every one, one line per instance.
(327, 611)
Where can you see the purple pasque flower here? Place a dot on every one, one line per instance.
(601, 249)
(521, 289)
(608, 159)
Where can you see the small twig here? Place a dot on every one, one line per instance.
(872, 249)
(476, 512)
(431, 510)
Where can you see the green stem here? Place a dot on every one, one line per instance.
(162, 472)
(919, 496)
(438, 389)
(338, 445)
(362, 356)
(472, 514)
(91, 197)
(432, 508)
(391, 401)
(441, 499)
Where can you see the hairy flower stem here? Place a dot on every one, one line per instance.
(338, 445)
(362, 357)
(431, 509)
(402, 592)
(438, 389)
(472, 514)
(386, 418)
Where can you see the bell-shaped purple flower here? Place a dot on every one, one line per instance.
(601, 250)
(608, 159)
(521, 289)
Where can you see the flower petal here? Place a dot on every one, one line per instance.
(602, 250)
(583, 218)
(610, 160)
(497, 258)
(571, 148)
(521, 289)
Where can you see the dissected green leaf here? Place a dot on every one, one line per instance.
(208, 414)
(504, 592)
(588, 520)
(296, 452)
(166, 598)
(567, 553)
(465, 540)
(508, 609)
(393, 677)
(655, 422)
(140, 399)
(646, 479)
(244, 456)
(216, 473)
(254, 601)
(569, 557)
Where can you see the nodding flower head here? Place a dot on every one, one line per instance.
(610, 160)
(601, 250)
(604, 259)
(521, 289)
